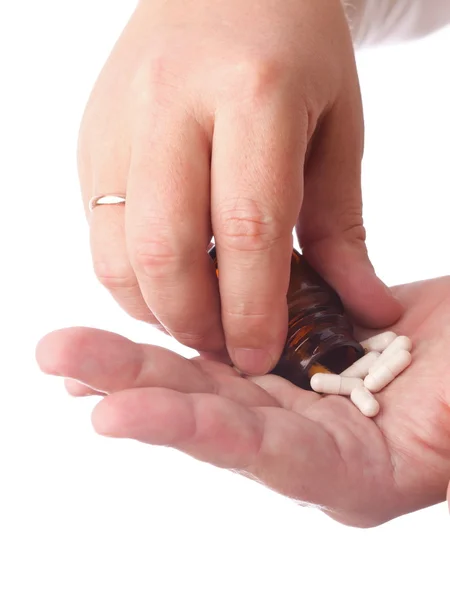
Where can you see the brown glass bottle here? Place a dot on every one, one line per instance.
(319, 332)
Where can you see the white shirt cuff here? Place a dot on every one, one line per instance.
(383, 21)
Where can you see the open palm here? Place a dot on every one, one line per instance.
(314, 449)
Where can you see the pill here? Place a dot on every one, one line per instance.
(400, 343)
(334, 384)
(379, 342)
(363, 399)
(361, 367)
(388, 371)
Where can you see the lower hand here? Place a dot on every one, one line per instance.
(317, 450)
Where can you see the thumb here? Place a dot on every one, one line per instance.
(330, 228)
(343, 262)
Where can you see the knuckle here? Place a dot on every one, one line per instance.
(355, 232)
(255, 78)
(156, 257)
(114, 277)
(343, 221)
(154, 80)
(247, 320)
(157, 68)
(349, 221)
(245, 225)
(248, 317)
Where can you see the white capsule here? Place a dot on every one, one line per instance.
(363, 399)
(348, 384)
(362, 366)
(388, 371)
(400, 343)
(379, 342)
(334, 384)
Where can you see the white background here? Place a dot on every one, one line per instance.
(93, 518)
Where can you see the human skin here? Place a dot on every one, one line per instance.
(241, 120)
(315, 449)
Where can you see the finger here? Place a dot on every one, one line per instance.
(256, 195)
(97, 362)
(230, 384)
(330, 229)
(289, 396)
(168, 229)
(108, 362)
(287, 452)
(111, 264)
(103, 169)
(78, 390)
(206, 426)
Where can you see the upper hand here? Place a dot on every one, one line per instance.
(318, 450)
(242, 120)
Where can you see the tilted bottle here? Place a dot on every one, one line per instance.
(320, 335)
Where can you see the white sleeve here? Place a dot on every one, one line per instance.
(377, 21)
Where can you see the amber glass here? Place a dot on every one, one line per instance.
(319, 332)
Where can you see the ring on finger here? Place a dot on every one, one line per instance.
(104, 199)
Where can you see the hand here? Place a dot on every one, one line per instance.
(316, 450)
(232, 119)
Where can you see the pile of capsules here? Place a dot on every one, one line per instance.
(387, 355)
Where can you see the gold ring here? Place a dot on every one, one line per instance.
(106, 199)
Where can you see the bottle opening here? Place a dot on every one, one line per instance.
(337, 360)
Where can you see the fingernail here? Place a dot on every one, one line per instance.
(252, 361)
